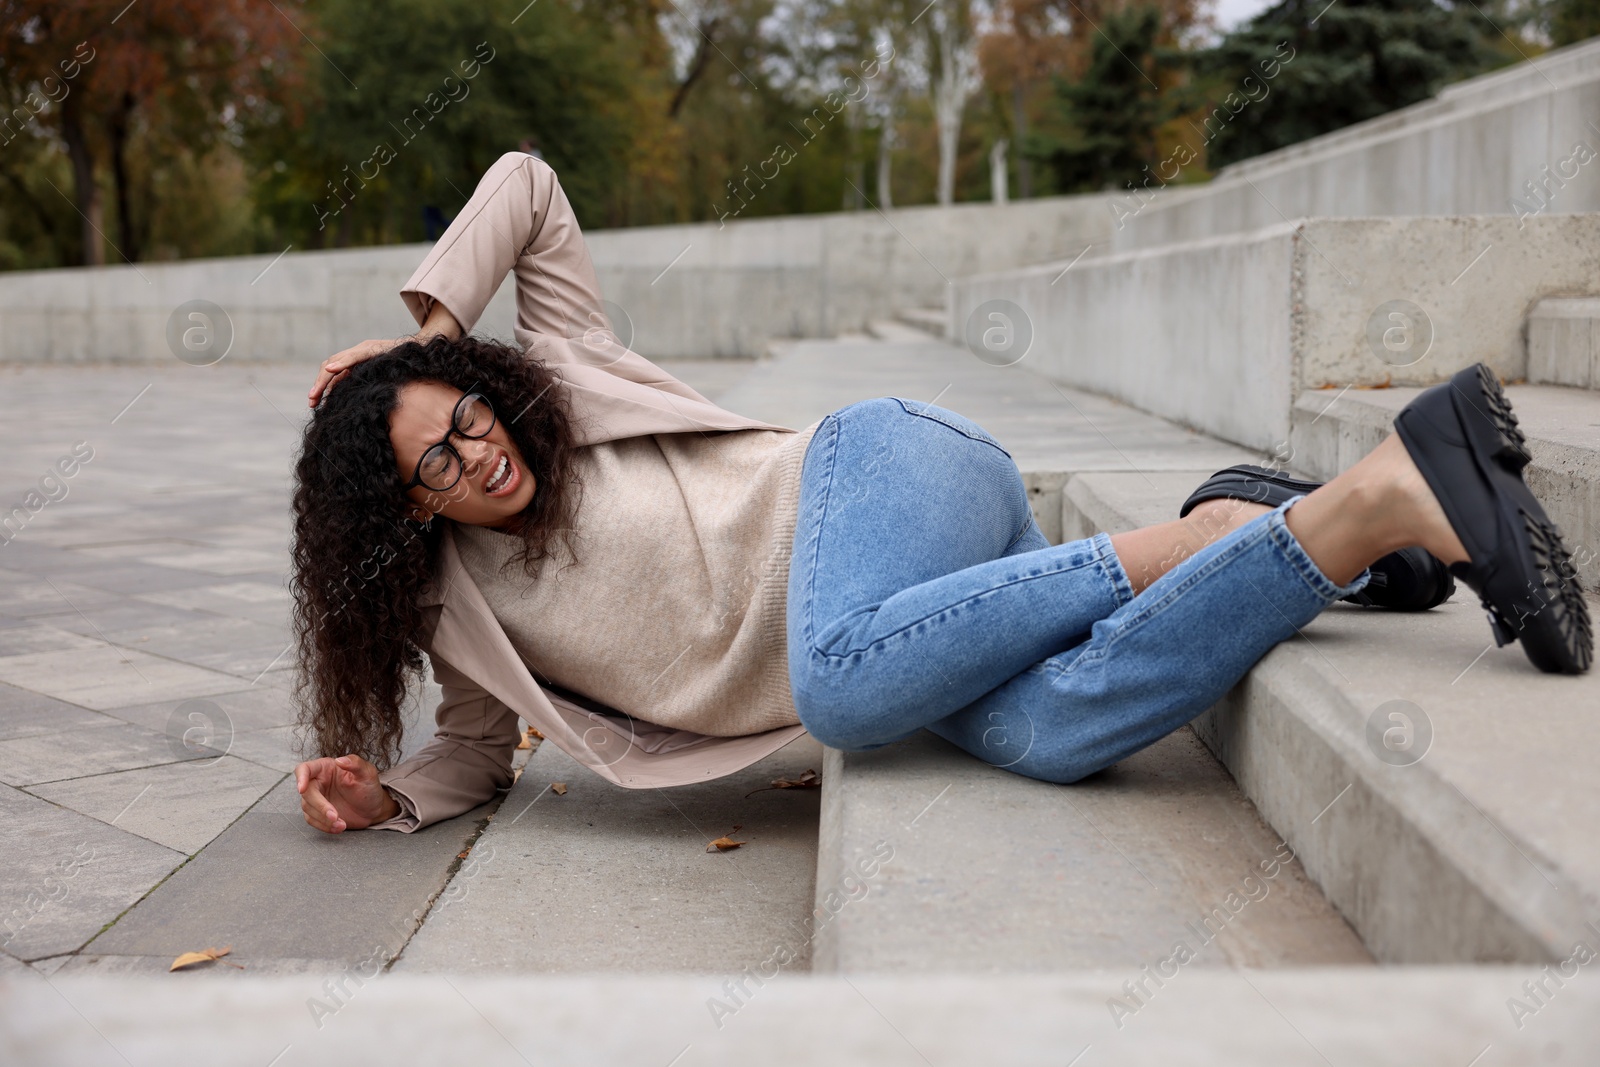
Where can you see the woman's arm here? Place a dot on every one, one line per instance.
(468, 759)
(518, 221)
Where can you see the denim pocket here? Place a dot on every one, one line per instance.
(959, 423)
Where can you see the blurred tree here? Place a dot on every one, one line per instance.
(1570, 21)
(1108, 121)
(1340, 65)
(1030, 40)
(407, 103)
(96, 76)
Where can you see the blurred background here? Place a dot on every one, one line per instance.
(169, 129)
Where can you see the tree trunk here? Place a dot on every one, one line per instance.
(86, 194)
(885, 148)
(119, 177)
(1019, 108)
(997, 171)
(950, 100)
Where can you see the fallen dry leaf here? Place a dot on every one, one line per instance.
(725, 843)
(558, 788)
(535, 734)
(809, 780)
(189, 959)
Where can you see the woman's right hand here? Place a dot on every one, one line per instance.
(439, 323)
(342, 793)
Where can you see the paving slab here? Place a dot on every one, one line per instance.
(274, 888)
(251, 708)
(935, 861)
(108, 676)
(28, 714)
(25, 636)
(74, 753)
(240, 647)
(1472, 840)
(1312, 1017)
(180, 805)
(277, 748)
(67, 875)
(605, 879)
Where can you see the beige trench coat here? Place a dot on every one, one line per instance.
(519, 220)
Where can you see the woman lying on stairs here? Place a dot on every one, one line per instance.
(669, 591)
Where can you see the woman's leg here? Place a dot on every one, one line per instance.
(902, 616)
(920, 581)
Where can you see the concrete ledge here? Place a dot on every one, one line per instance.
(1563, 348)
(1221, 334)
(1206, 1018)
(1499, 144)
(1479, 851)
(692, 291)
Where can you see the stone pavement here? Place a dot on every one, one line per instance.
(146, 739)
(143, 618)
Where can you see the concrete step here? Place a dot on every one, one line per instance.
(1222, 334)
(895, 330)
(930, 320)
(1480, 849)
(1564, 341)
(1332, 429)
(606, 880)
(931, 860)
(1205, 1018)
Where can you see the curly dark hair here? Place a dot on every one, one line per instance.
(361, 561)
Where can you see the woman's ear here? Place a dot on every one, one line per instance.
(419, 514)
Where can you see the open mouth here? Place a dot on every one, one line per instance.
(504, 478)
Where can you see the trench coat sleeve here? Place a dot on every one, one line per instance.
(468, 759)
(518, 221)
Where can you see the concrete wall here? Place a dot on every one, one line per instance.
(1221, 334)
(727, 290)
(1472, 150)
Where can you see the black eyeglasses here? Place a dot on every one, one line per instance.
(439, 468)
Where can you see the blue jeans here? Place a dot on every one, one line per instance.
(922, 594)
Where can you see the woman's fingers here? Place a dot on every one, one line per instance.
(318, 812)
(335, 367)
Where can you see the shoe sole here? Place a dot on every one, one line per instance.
(1530, 591)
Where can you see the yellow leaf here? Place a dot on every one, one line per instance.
(808, 780)
(558, 788)
(725, 843)
(189, 959)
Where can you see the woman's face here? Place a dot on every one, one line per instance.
(420, 420)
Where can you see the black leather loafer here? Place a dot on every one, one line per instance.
(1466, 442)
(1412, 579)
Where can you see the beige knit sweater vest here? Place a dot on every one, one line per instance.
(673, 610)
